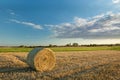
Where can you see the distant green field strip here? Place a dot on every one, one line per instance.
(115, 48)
(60, 49)
(15, 49)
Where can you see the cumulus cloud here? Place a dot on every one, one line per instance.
(36, 26)
(100, 26)
(116, 1)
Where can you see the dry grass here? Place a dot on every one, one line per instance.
(85, 65)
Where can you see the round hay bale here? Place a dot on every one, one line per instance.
(41, 59)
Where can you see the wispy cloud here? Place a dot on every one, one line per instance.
(100, 26)
(11, 12)
(116, 1)
(36, 26)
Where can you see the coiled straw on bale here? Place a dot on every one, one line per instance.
(41, 59)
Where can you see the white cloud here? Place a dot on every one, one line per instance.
(98, 16)
(116, 1)
(79, 22)
(36, 26)
(100, 26)
(12, 13)
(104, 29)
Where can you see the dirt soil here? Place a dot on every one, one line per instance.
(84, 65)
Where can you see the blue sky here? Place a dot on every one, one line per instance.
(44, 22)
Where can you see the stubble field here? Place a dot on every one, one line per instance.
(80, 65)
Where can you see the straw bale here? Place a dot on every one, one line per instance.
(41, 59)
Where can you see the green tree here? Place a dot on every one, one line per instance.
(75, 44)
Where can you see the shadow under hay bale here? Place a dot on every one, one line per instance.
(15, 69)
(41, 59)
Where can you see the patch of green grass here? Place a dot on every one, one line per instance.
(11, 49)
(60, 49)
(115, 48)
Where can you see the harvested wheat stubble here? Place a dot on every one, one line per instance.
(41, 59)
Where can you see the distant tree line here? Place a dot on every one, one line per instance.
(66, 45)
(72, 45)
